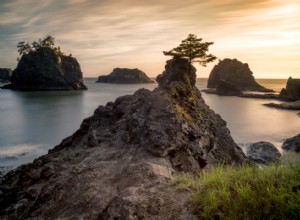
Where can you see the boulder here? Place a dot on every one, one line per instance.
(45, 69)
(227, 89)
(120, 163)
(125, 76)
(236, 73)
(5, 74)
(292, 144)
(292, 89)
(263, 153)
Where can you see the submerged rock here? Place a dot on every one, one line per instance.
(236, 73)
(120, 163)
(286, 105)
(263, 153)
(292, 144)
(5, 74)
(292, 89)
(125, 76)
(45, 69)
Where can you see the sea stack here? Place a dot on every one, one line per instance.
(121, 161)
(5, 74)
(125, 76)
(45, 70)
(236, 73)
(292, 89)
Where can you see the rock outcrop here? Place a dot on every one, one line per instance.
(292, 144)
(5, 74)
(44, 69)
(286, 105)
(120, 162)
(125, 76)
(227, 89)
(292, 89)
(263, 153)
(236, 73)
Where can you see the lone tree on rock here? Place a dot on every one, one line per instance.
(194, 50)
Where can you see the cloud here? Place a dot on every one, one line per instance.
(107, 33)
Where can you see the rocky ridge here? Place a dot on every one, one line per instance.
(125, 76)
(236, 73)
(45, 69)
(120, 163)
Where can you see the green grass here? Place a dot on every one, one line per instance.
(246, 192)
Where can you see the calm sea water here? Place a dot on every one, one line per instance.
(33, 122)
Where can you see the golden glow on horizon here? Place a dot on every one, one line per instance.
(103, 35)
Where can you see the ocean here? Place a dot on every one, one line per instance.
(31, 123)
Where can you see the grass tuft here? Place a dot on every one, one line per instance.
(246, 192)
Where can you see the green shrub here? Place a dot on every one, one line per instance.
(246, 192)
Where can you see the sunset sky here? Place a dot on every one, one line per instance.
(105, 34)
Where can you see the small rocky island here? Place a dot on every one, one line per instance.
(5, 74)
(236, 73)
(125, 76)
(121, 161)
(44, 67)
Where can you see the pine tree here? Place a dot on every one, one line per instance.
(194, 50)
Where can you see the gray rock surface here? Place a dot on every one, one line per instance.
(292, 144)
(227, 89)
(263, 152)
(236, 73)
(5, 74)
(120, 163)
(125, 76)
(292, 89)
(45, 70)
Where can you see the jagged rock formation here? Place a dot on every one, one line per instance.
(292, 144)
(236, 73)
(120, 163)
(5, 74)
(124, 76)
(227, 89)
(263, 153)
(46, 70)
(292, 89)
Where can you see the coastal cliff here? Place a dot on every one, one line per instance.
(121, 161)
(125, 76)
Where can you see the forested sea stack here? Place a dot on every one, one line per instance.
(235, 73)
(44, 67)
(120, 163)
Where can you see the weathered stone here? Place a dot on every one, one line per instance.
(121, 161)
(44, 69)
(292, 144)
(227, 89)
(124, 76)
(236, 73)
(292, 89)
(263, 153)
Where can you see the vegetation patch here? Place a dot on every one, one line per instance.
(246, 192)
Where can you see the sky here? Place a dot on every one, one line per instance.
(105, 34)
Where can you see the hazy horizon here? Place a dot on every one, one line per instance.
(106, 34)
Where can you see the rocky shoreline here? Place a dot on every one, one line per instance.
(120, 163)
